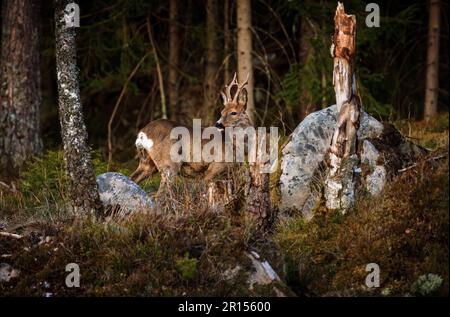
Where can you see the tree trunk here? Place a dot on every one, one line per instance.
(20, 94)
(432, 81)
(244, 52)
(83, 186)
(227, 42)
(174, 48)
(258, 205)
(210, 89)
(340, 182)
(258, 198)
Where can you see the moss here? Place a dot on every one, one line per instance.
(185, 249)
(151, 184)
(186, 266)
(404, 231)
(151, 255)
(431, 134)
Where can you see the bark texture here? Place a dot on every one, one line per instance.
(174, 48)
(211, 87)
(84, 193)
(227, 43)
(432, 80)
(258, 204)
(343, 161)
(244, 52)
(20, 95)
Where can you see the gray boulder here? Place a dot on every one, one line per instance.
(7, 272)
(122, 194)
(375, 177)
(302, 157)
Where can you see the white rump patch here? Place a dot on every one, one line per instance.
(143, 142)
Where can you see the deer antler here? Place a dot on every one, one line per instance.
(240, 87)
(227, 95)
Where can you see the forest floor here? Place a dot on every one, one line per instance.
(193, 251)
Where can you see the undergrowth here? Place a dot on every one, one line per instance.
(183, 249)
(147, 255)
(186, 247)
(404, 231)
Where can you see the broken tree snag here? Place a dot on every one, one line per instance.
(258, 199)
(258, 205)
(343, 160)
(83, 186)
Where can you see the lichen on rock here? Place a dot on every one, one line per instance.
(303, 157)
(121, 194)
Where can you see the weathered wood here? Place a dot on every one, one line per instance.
(220, 193)
(83, 186)
(258, 204)
(340, 182)
(11, 235)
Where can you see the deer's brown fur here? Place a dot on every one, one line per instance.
(154, 143)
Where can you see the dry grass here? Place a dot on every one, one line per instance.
(182, 250)
(404, 230)
(178, 253)
(432, 135)
(185, 249)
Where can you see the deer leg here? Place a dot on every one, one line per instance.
(213, 170)
(145, 170)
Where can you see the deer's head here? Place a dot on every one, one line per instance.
(235, 106)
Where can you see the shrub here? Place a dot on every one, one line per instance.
(43, 187)
(186, 266)
(427, 284)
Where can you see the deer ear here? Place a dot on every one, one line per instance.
(242, 99)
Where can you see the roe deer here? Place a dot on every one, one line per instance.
(154, 143)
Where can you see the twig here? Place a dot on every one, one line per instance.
(286, 34)
(11, 188)
(144, 104)
(116, 106)
(427, 160)
(158, 69)
(12, 235)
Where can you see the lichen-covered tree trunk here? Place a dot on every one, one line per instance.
(174, 48)
(244, 52)
(83, 186)
(20, 94)
(340, 183)
(432, 82)
(210, 83)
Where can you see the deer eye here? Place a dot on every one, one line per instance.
(234, 113)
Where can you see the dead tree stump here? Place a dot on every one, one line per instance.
(258, 204)
(343, 161)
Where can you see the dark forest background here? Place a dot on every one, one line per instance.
(292, 63)
(183, 245)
